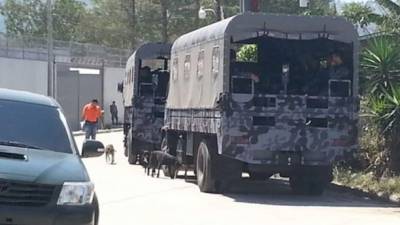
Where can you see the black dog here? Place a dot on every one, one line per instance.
(145, 159)
(158, 159)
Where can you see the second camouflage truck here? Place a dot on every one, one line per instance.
(144, 94)
(264, 94)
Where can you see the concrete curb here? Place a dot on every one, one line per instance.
(362, 193)
(81, 133)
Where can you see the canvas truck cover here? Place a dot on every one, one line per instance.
(144, 52)
(192, 92)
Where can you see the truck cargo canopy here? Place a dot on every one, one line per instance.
(205, 92)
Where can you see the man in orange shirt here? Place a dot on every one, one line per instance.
(91, 115)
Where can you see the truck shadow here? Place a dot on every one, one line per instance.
(278, 192)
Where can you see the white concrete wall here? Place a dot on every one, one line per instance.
(113, 76)
(26, 75)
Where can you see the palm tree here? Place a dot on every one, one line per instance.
(380, 65)
(393, 7)
(385, 112)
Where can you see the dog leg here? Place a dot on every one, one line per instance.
(158, 172)
(186, 169)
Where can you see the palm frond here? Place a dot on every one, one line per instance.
(390, 5)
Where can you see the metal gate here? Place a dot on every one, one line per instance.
(74, 90)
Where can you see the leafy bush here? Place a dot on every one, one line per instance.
(247, 53)
(368, 182)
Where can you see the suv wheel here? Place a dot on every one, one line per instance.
(96, 210)
(164, 148)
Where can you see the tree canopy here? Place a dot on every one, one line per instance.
(126, 23)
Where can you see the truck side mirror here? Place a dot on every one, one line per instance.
(92, 148)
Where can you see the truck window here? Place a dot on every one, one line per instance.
(215, 61)
(186, 69)
(174, 69)
(295, 67)
(200, 64)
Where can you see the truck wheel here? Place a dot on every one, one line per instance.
(204, 167)
(132, 154)
(316, 187)
(164, 148)
(125, 147)
(298, 184)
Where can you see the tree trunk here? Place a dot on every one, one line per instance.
(131, 13)
(164, 22)
(219, 10)
(196, 18)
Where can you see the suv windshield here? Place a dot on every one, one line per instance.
(33, 125)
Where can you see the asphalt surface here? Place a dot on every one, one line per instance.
(128, 196)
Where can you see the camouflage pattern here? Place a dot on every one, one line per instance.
(148, 118)
(291, 132)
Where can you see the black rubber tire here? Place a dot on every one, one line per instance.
(164, 148)
(126, 147)
(132, 154)
(299, 185)
(204, 168)
(96, 210)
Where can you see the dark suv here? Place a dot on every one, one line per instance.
(42, 178)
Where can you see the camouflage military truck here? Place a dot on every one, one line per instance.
(264, 94)
(144, 93)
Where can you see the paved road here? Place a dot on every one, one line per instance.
(127, 196)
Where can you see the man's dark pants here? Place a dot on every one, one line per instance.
(90, 129)
(114, 119)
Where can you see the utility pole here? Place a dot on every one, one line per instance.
(50, 54)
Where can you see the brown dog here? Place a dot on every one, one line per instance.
(110, 154)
